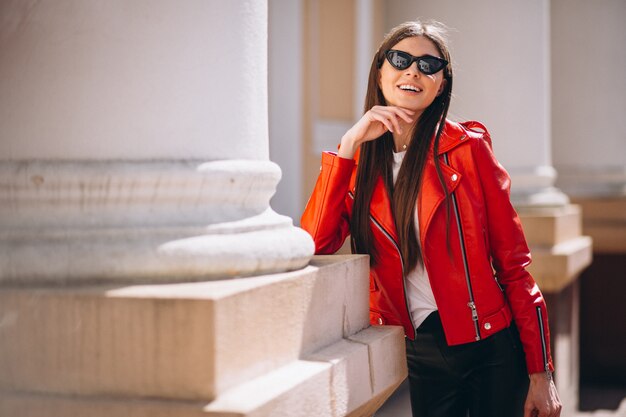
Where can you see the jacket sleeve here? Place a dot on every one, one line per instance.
(510, 256)
(326, 215)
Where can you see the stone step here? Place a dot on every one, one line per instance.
(550, 226)
(554, 268)
(349, 378)
(188, 341)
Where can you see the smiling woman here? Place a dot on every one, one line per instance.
(427, 200)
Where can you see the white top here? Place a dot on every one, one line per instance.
(418, 290)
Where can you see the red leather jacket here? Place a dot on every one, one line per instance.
(473, 302)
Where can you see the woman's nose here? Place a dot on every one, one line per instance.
(413, 69)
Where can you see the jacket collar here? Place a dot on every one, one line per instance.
(453, 135)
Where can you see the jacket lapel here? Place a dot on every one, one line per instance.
(380, 208)
(380, 205)
(431, 193)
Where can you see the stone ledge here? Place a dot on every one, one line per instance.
(383, 351)
(301, 388)
(180, 341)
(364, 370)
(352, 377)
(604, 219)
(350, 374)
(556, 267)
(37, 405)
(551, 226)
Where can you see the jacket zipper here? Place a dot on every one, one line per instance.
(395, 245)
(471, 304)
(544, 348)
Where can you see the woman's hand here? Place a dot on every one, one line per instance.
(543, 399)
(372, 125)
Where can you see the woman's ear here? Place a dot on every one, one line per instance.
(442, 87)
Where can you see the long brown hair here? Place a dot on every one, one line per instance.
(376, 156)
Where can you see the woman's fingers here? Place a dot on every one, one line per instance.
(380, 119)
(405, 114)
(396, 113)
(390, 115)
(384, 119)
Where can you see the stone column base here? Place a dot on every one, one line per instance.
(143, 221)
(290, 344)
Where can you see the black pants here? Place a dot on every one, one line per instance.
(487, 378)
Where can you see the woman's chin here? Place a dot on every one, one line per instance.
(409, 103)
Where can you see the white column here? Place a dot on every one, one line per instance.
(286, 62)
(502, 78)
(364, 50)
(134, 143)
(590, 97)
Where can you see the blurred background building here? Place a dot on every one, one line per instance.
(546, 78)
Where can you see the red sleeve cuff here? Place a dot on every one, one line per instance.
(342, 164)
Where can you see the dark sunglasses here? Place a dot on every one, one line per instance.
(427, 64)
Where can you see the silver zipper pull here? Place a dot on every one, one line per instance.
(472, 306)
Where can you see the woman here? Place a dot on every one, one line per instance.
(427, 200)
